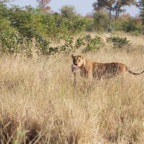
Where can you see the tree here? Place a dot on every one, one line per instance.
(68, 11)
(5, 23)
(140, 5)
(99, 5)
(101, 20)
(119, 4)
(102, 5)
(114, 7)
(43, 4)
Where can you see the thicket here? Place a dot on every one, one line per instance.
(18, 28)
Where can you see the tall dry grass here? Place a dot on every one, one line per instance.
(38, 103)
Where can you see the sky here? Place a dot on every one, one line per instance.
(82, 7)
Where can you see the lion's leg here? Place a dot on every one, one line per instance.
(90, 75)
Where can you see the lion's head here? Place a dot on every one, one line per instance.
(78, 60)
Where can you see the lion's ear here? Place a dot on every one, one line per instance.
(72, 56)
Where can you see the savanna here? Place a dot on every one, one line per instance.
(39, 105)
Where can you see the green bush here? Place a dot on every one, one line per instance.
(43, 45)
(10, 41)
(94, 44)
(68, 44)
(79, 42)
(131, 25)
(101, 21)
(119, 42)
(19, 26)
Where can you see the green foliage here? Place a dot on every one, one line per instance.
(5, 25)
(101, 21)
(119, 42)
(27, 22)
(79, 42)
(131, 25)
(43, 45)
(116, 7)
(4, 11)
(68, 46)
(68, 12)
(117, 25)
(18, 26)
(10, 42)
(93, 45)
(140, 5)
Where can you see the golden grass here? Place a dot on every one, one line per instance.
(38, 104)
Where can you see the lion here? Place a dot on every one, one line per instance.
(91, 69)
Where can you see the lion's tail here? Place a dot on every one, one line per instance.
(134, 72)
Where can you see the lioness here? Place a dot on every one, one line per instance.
(91, 69)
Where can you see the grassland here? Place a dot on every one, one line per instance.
(38, 103)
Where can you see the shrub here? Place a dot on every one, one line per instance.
(101, 21)
(94, 44)
(68, 46)
(79, 42)
(131, 25)
(10, 41)
(119, 42)
(42, 44)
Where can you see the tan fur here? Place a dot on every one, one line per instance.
(91, 69)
